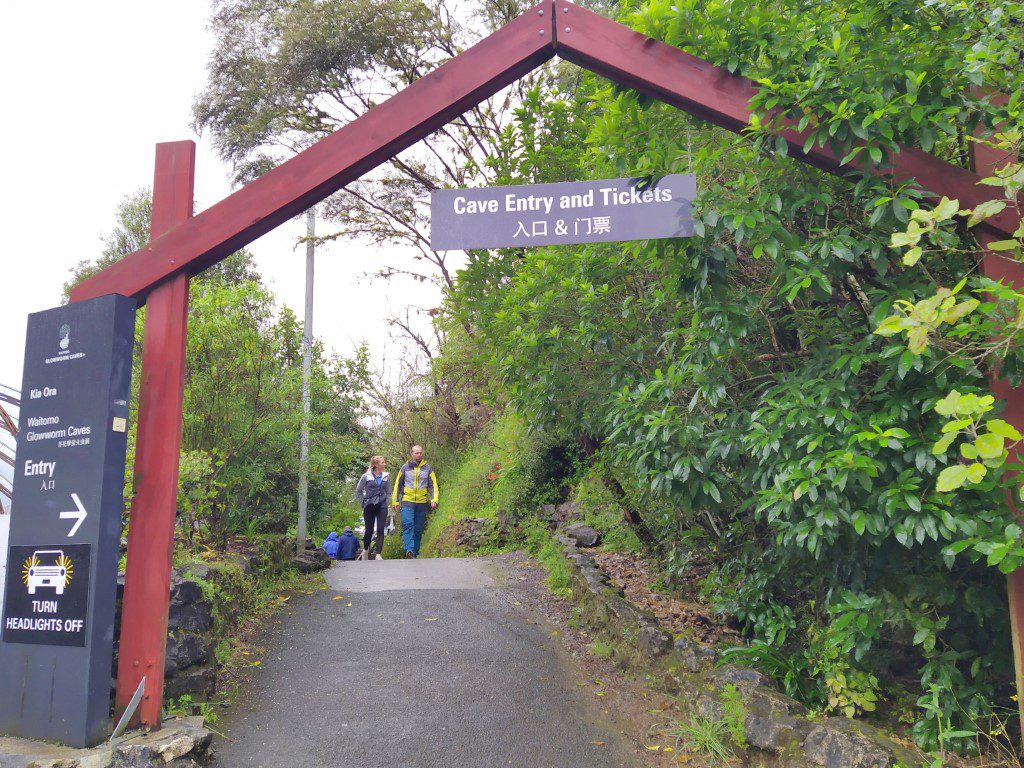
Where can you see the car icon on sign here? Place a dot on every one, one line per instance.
(48, 568)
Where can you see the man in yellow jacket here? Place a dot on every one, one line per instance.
(415, 491)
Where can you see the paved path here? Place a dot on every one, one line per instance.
(432, 665)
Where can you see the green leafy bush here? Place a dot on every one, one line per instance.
(735, 382)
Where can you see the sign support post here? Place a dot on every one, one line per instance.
(57, 632)
(147, 591)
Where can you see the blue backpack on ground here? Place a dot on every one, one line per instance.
(331, 545)
(348, 546)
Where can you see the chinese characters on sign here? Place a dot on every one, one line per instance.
(568, 212)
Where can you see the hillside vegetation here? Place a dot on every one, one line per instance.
(796, 396)
(798, 392)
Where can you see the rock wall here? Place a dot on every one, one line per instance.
(466, 535)
(776, 727)
(208, 599)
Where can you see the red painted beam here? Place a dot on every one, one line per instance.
(721, 98)
(147, 585)
(344, 156)
(986, 160)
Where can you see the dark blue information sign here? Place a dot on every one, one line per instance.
(57, 628)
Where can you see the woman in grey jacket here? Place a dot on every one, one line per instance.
(373, 492)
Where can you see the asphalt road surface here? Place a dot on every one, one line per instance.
(432, 664)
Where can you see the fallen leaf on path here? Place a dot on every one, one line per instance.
(432, 618)
(683, 758)
(598, 743)
(256, 663)
(339, 597)
(654, 748)
(348, 605)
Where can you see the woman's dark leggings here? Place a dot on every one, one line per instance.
(375, 514)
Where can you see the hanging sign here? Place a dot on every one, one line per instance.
(57, 627)
(563, 213)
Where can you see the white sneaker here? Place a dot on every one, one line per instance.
(379, 557)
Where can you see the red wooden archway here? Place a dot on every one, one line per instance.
(182, 245)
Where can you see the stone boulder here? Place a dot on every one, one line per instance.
(557, 515)
(653, 641)
(568, 510)
(583, 535)
(693, 656)
(190, 611)
(472, 533)
(197, 682)
(743, 678)
(311, 560)
(186, 743)
(186, 650)
(843, 743)
(506, 526)
(180, 743)
(774, 733)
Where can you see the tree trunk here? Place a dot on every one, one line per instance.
(636, 522)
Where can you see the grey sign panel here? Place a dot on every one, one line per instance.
(57, 629)
(602, 211)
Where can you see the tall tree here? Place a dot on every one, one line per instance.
(286, 73)
(242, 405)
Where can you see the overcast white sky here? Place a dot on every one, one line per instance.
(88, 89)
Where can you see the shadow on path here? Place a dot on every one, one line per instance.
(430, 665)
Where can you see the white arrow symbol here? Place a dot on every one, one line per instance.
(78, 515)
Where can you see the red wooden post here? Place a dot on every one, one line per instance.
(158, 443)
(985, 161)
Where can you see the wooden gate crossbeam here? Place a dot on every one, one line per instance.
(592, 41)
(721, 98)
(321, 170)
(183, 246)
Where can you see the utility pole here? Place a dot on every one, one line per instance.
(307, 363)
